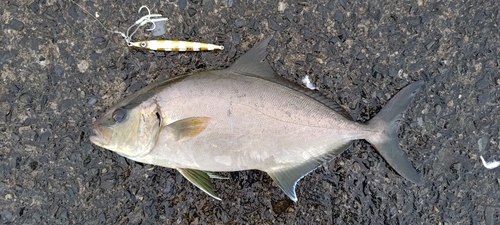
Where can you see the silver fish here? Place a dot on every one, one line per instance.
(245, 118)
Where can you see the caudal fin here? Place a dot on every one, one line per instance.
(387, 142)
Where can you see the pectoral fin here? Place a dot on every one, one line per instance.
(200, 179)
(188, 128)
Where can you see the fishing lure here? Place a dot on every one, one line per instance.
(157, 45)
(175, 46)
(164, 45)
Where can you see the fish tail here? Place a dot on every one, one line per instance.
(387, 141)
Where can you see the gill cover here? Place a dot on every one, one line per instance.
(131, 130)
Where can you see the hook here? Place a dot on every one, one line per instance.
(149, 18)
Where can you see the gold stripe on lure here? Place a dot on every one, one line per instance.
(175, 46)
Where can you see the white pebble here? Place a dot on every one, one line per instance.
(490, 165)
(308, 83)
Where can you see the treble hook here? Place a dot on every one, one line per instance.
(142, 7)
(149, 18)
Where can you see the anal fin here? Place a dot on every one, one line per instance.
(288, 177)
(200, 179)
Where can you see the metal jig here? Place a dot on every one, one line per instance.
(156, 45)
(175, 46)
(164, 45)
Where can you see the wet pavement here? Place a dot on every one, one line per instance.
(60, 69)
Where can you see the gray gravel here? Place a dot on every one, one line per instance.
(60, 70)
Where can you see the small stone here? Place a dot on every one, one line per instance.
(182, 4)
(342, 35)
(191, 11)
(44, 137)
(102, 217)
(420, 121)
(83, 66)
(335, 39)
(14, 137)
(482, 83)
(92, 101)
(489, 215)
(27, 133)
(58, 70)
(66, 104)
(281, 7)
(316, 47)
(13, 88)
(393, 72)
(343, 3)
(136, 86)
(43, 101)
(236, 38)
(484, 98)
(328, 81)
(5, 108)
(26, 98)
(309, 57)
(273, 25)
(289, 14)
(300, 63)
(429, 45)
(483, 143)
(6, 215)
(99, 40)
(239, 23)
(361, 56)
(35, 8)
(338, 16)
(16, 25)
(438, 109)
(123, 75)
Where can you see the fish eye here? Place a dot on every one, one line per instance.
(144, 44)
(120, 115)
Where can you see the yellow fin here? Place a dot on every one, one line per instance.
(189, 127)
(200, 179)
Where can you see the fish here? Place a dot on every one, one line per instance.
(245, 117)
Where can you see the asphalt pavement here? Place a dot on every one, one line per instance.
(61, 69)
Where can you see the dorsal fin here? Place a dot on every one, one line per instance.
(253, 63)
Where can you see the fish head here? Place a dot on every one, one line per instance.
(131, 131)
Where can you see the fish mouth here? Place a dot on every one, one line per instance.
(97, 138)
